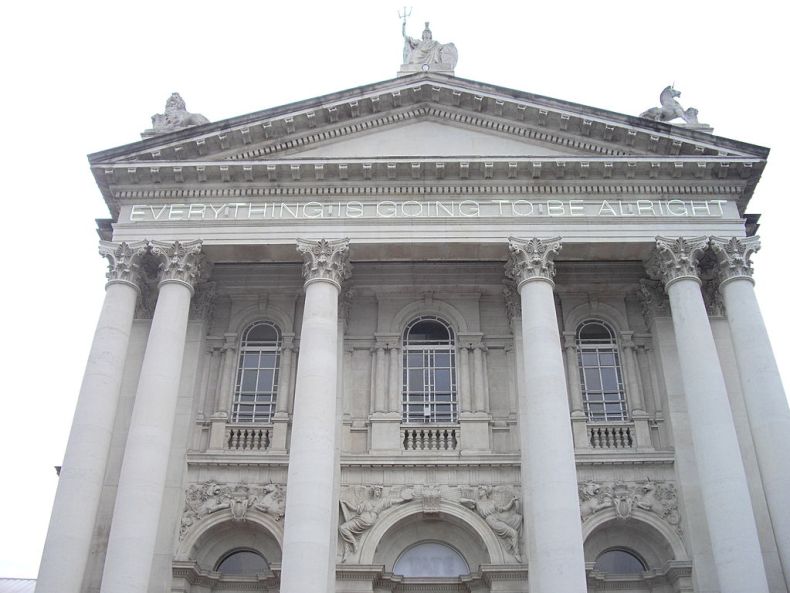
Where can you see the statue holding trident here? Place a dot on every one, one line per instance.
(422, 55)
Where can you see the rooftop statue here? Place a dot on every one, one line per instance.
(670, 109)
(175, 117)
(426, 53)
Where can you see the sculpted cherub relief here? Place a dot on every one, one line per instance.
(361, 509)
(500, 509)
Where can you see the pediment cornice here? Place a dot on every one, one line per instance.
(259, 153)
(282, 130)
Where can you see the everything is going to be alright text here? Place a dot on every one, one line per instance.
(458, 209)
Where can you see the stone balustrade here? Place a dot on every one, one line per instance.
(430, 438)
(248, 438)
(611, 435)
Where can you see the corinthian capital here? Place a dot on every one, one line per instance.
(123, 260)
(675, 259)
(325, 260)
(735, 256)
(532, 259)
(180, 262)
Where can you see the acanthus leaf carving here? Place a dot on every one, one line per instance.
(179, 261)
(206, 498)
(123, 260)
(675, 259)
(734, 256)
(654, 496)
(532, 259)
(325, 260)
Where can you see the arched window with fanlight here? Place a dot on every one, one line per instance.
(242, 562)
(620, 561)
(600, 372)
(255, 395)
(429, 378)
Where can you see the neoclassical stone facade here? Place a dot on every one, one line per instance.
(423, 335)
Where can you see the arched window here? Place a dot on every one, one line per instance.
(430, 559)
(242, 562)
(255, 396)
(429, 384)
(620, 561)
(601, 375)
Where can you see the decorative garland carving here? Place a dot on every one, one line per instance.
(206, 498)
(658, 497)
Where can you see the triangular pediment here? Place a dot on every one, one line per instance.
(428, 115)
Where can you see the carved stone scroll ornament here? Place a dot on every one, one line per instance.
(532, 259)
(675, 259)
(175, 117)
(734, 256)
(500, 508)
(325, 260)
(123, 260)
(180, 262)
(361, 507)
(209, 497)
(658, 497)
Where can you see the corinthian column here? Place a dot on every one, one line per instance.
(766, 405)
(725, 493)
(548, 468)
(308, 558)
(68, 540)
(141, 486)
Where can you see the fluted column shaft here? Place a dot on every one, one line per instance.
(548, 468)
(725, 493)
(308, 565)
(68, 541)
(763, 393)
(141, 486)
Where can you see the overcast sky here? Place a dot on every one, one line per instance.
(80, 77)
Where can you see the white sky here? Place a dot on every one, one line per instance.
(85, 76)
